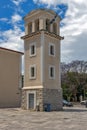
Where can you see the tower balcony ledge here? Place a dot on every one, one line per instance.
(45, 32)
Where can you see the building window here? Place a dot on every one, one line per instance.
(51, 49)
(32, 49)
(32, 72)
(52, 72)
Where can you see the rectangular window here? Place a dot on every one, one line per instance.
(32, 72)
(32, 49)
(52, 72)
(51, 49)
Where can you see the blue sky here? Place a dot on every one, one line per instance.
(73, 25)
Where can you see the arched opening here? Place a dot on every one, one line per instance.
(55, 28)
(48, 25)
(37, 25)
(30, 28)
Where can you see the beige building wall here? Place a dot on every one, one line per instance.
(52, 60)
(10, 76)
(46, 61)
(35, 60)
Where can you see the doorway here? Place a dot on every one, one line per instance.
(31, 100)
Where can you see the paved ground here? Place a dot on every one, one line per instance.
(69, 119)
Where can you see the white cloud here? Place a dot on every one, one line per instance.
(11, 39)
(3, 19)
(16, 18)
(48, 2)
(75, 31)
(56, 2)
(17, 2)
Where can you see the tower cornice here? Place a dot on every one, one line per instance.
(45, 32)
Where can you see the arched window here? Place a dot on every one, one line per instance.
(55, 28)
(48, 25)
(37, 25)
(29, 28)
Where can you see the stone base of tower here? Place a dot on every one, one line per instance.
(54, 98)
(42, 97)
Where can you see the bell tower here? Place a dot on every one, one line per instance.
(42, 83)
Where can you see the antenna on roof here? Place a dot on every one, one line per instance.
(53, 20)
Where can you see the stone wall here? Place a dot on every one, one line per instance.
(39, 98)
(54, 98)
(45, 96)
(24, 100)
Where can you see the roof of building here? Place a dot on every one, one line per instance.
(42, 9)
(2, 48)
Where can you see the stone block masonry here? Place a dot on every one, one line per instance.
(44, 96)
(53, 97)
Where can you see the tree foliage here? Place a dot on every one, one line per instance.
(74, 83)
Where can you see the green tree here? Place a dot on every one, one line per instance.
(74, 84)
